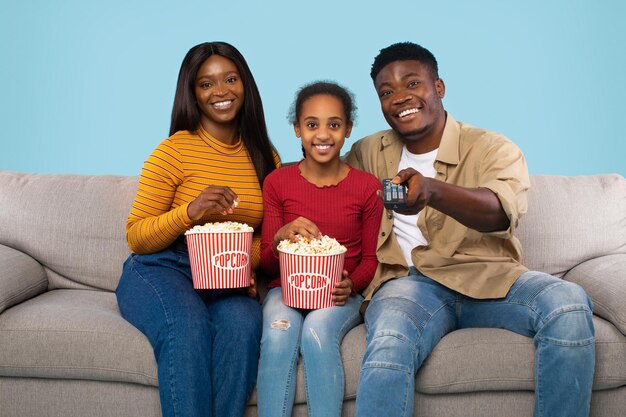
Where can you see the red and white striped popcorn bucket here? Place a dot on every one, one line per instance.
(220, 259)
(307, 281)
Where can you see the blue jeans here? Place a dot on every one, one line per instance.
(206, 342)
(408, 316)
(282, 342)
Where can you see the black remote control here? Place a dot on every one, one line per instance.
(394, 195)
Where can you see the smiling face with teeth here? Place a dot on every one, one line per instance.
(410, 97)
(323, 127)
(219, 94)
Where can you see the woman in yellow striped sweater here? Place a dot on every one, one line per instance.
(206, 342)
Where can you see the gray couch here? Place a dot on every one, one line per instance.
(66, 351)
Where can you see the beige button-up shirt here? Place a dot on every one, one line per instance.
(479, 265)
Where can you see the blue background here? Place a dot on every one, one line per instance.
(88, 87)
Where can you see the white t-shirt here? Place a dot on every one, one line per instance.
(405, 227)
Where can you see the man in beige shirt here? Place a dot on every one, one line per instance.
(449, 259)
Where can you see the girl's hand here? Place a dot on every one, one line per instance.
(342, 290)
(300, 226)
(213, 199)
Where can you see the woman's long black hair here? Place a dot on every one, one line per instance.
(251, 119)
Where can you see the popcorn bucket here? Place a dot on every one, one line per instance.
(220, 259)
(307, 281)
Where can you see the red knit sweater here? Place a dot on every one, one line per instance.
(349, 211)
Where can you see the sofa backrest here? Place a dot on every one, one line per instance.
(571, 220)
(74, 225)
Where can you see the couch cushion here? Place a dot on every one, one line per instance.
(21, 277)
(79, 334)
(74, 334)
(571, 220)
(499, 360)
(30, 397)
(604, 279)
(74, 225)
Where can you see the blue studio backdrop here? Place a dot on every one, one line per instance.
(88, 86)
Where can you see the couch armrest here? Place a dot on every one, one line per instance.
(21, 277)
(604, 280)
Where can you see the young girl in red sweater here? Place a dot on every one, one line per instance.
(319, 195)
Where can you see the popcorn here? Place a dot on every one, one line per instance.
(220, 227)
(220, 255)
(324, 246)
(309, 270)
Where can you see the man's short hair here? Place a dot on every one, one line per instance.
(404, 51)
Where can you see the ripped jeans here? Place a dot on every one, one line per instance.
(317, 335)
(408, 316)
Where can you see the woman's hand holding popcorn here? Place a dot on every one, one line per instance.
(213, 199)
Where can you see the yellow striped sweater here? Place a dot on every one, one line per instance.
(175, 173)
